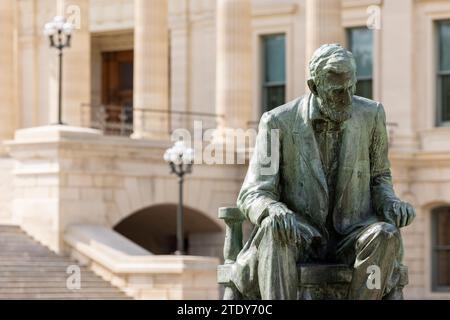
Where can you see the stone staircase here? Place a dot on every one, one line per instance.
(29, 270)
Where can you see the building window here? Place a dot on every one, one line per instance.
(274, 71)
(443, 73)
(360, 43)
(441, 249)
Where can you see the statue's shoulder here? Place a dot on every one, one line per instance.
(284, 113)
(365, 106)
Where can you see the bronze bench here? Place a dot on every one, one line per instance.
(316, 281)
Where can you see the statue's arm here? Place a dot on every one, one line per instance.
(261, 186)
(383, 195)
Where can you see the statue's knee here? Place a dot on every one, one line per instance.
(381, 232)
(268, 229)
(387, 232)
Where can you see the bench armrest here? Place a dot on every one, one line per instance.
(233, 219)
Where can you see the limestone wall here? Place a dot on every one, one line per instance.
(6, 191)
(422, 179)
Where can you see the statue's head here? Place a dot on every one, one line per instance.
(333, 80)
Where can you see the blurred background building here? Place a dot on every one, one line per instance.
(137, 70)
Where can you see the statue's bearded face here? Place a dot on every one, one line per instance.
(335, 92)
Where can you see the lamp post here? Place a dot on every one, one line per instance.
(62, 30)
(180, 158)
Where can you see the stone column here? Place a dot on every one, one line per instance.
(323, 25)
(77, 63)
(151, 69)
(8, 100)
(234, 67)
(180, 47)
(397, 72)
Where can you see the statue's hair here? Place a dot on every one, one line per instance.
(330, 57)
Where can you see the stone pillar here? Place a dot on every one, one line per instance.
(397, 72)
(8, 100)
(323, 25)
(180, 47)
(234, 67)
(77, 63)
(52, 187)
(151, 69)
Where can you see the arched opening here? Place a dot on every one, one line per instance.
(154, 228)
(440, 218)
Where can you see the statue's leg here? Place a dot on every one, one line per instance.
(277, 267)
(377, 248)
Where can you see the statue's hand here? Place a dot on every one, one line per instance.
(284, 224)
(401, 213)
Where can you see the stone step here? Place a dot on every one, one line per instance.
(29, 252)
(34, 260)
(65, 296)
(37, 259)
(62, 290)
(57, 266)
(9, 248)
(44, 268)
(50, 284)
(8, 244)
(14, 229)
(30, 255)
(18, 237)
(25, 279)
(23, 248)
(27, 255)
(37, 264)
(45, 274)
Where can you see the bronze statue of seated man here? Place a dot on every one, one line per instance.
(319, 189)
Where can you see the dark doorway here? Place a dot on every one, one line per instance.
(440, 233)
(117, 89)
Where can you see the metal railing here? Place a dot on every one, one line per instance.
(123, 120)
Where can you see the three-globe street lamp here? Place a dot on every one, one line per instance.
(59, 32)
(180, 159)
